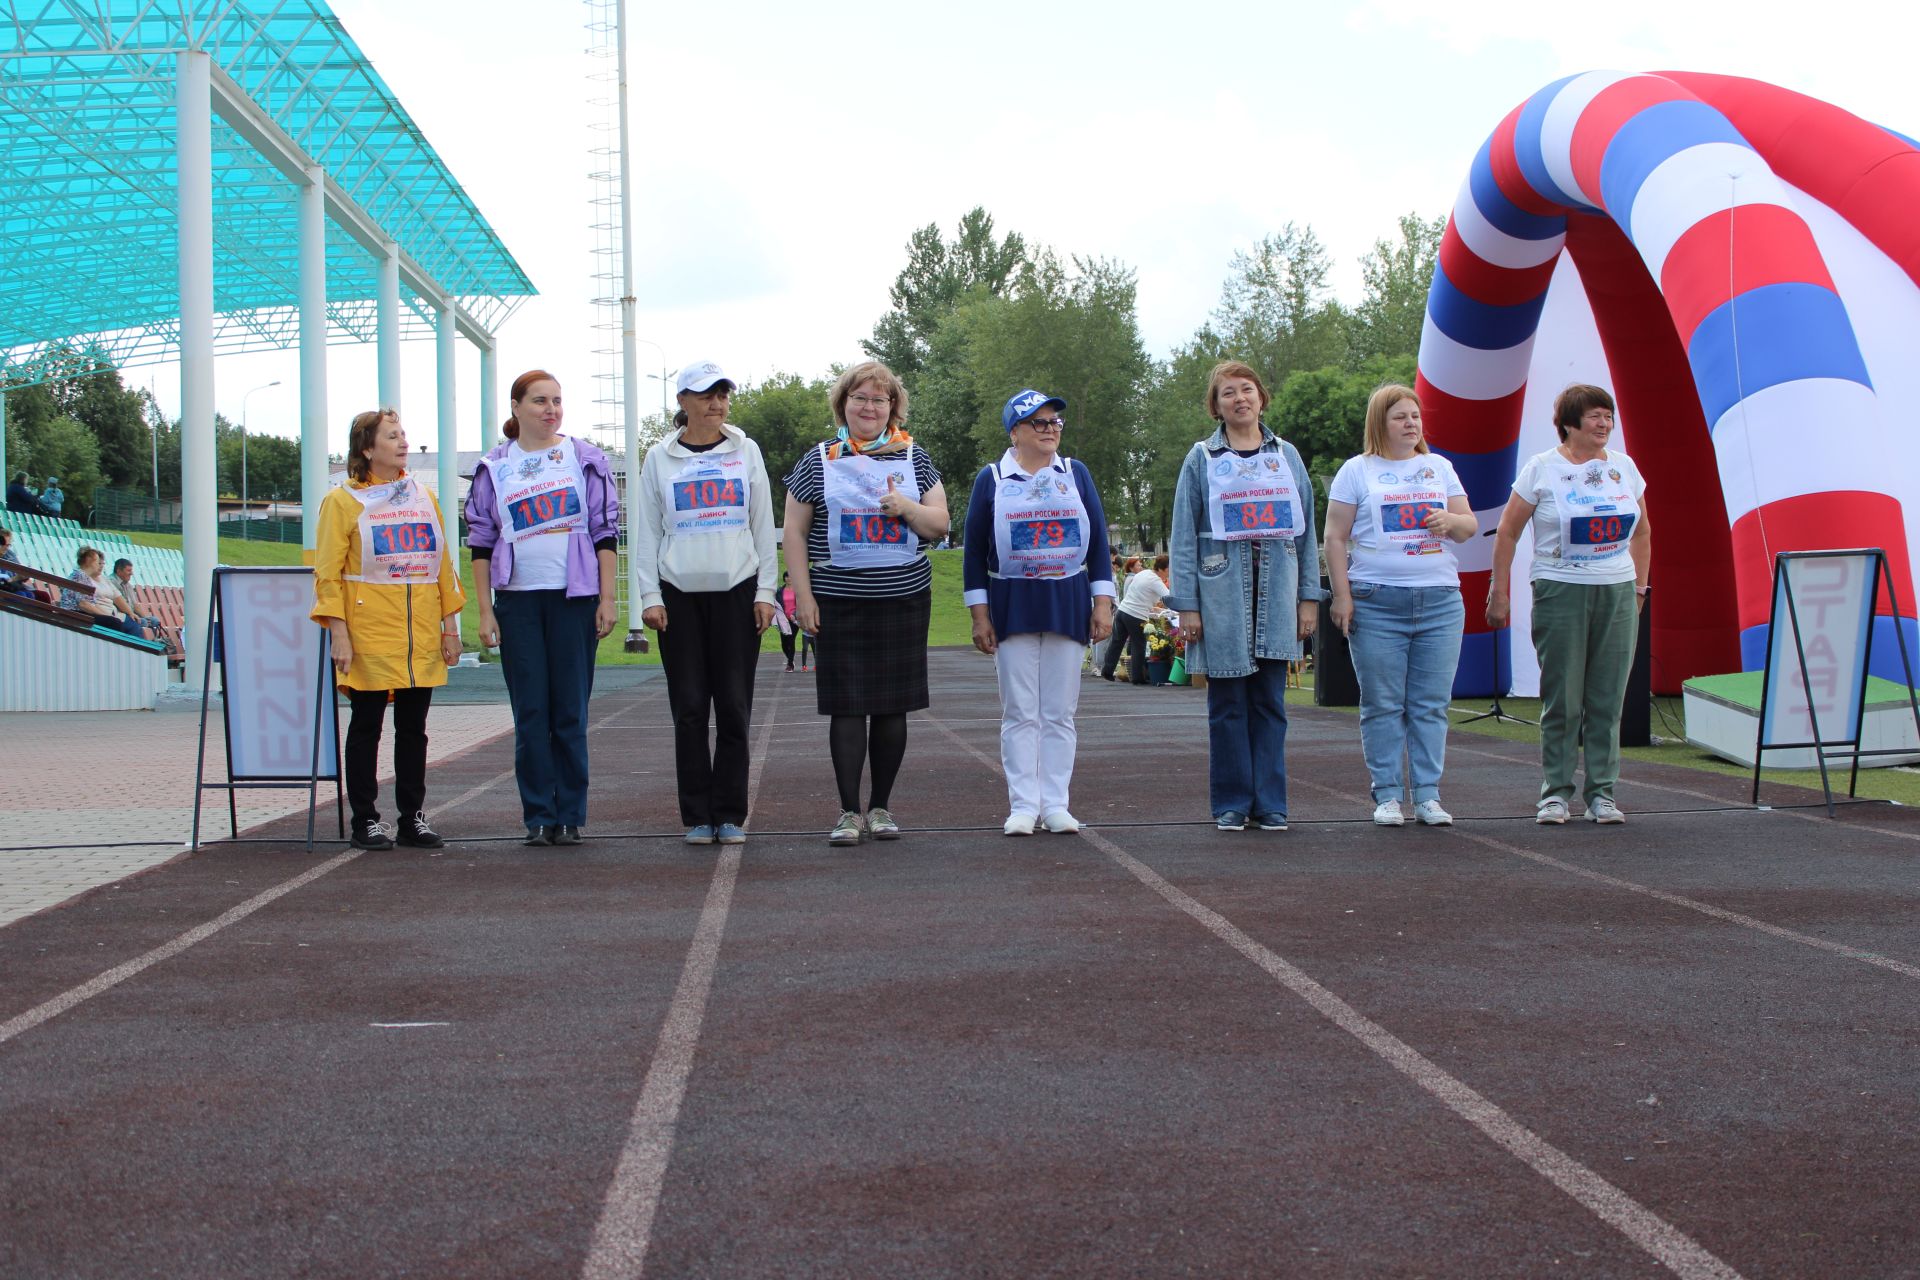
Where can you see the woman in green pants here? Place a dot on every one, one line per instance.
(1591, 550)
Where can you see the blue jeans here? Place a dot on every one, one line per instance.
(547, 648)
(1247, 742)
(1406, 647)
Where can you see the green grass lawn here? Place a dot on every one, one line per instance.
(951, 624)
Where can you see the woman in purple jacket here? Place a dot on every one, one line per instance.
(544, 514)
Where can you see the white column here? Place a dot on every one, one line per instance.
(313, 352)
(449, 478)
(6, 476)
(199, 517)
(388, 317)
(490, 418)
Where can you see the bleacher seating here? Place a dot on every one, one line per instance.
(51, 544)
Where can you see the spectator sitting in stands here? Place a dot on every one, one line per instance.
(121, 583)
(53, 499)
(22, 499)
(102, 600)
(11, 582)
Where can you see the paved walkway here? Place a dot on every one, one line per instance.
(115, 789)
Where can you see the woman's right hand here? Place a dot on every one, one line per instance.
(983, 638)
(1190, 625)
(807, 613)
(489, 630)
(342, 646)
(654, 616)
(1341, 611)
(1499, 609)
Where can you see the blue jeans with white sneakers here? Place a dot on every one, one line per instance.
(1406, 647)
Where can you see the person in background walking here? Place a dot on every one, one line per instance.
(387, 588)
(1246, 583)
(1144, 593)
(1034, 525)
(1392, 514)
(704, 558)
(544, 516)
(863, 585)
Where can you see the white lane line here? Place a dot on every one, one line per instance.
(1666, 1243)
(404, 1026)
(625, 1228)
(1671, 1247)
(167, 950)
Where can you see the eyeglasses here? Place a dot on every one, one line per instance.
(875, 401)
(1046, 424)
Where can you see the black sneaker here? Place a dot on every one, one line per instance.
(415, 831)
(372, 836)
(539, 837)
(566, 833)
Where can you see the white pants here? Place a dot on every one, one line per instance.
(1039, 693)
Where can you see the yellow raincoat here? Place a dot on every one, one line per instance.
(395, 629)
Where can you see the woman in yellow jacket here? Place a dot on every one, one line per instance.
(386, 585)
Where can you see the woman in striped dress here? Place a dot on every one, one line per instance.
(860, 507)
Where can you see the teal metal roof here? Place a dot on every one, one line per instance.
(88, 242)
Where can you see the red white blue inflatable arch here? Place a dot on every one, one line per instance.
(1740, 265)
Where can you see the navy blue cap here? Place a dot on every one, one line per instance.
(1025, 404)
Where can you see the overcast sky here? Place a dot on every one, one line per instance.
(784, 153)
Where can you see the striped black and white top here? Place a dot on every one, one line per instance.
(806, 484)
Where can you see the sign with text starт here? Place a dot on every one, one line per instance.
(1819, 645)
(270, 662)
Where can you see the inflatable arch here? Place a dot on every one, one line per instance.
(1740, 265)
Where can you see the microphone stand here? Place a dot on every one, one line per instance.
(1495, 712)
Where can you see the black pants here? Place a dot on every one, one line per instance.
(409, 750)
(1132, 632)
(786, 643)
(709, 650)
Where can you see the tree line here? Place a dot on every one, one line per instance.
(83, 423)
(977, 315)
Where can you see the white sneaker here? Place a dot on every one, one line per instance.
(1019, 824)
(1551, 813)
(1603, 810)
(1431, 814)
(1387, 814)
(1060, 822)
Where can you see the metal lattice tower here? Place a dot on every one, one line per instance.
(609, 391)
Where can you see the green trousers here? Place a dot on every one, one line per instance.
(1584, 636)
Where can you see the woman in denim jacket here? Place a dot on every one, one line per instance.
(1246, 583)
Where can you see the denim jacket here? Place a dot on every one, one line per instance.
(1215, 578)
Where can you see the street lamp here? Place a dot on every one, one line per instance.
(246, 511)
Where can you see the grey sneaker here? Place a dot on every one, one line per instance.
(1432, 815)
(731, 833)
(1603, 810)
(849, 830)
(1551, 813)
(700, 834)
(881, 826)
(1387, 814)
(1231, 820)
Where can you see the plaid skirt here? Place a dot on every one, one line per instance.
(872, 658)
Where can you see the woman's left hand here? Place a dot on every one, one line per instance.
(762, 617)
(1101, 625)
(1309, 617)
(450, 648)
(604, 618)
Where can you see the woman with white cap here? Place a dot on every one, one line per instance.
(1034, 525)
(863, 585)
(704, 557)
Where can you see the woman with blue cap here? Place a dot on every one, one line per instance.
(1036, 535)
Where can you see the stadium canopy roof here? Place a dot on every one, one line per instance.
(88, 193)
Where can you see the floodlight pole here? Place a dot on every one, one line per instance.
(246, 508)
(193, 160)
(448, 480)
(629, 350)
(387, 312)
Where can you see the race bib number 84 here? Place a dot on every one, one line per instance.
(1264, 517)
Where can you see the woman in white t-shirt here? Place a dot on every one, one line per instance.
(1141, 598)
(1591, 552)
(1392, 513)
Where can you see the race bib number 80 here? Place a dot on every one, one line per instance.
(1249, 517)
(1597, 531)
(403, 539)
(539, 508)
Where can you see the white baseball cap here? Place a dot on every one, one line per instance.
(699, 376)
